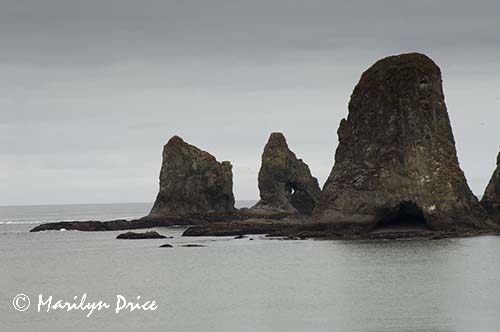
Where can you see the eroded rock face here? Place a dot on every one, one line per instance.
(285, 182)
(192, 181)
(396, 158)
(491, 197)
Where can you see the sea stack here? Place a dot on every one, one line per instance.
(396, 159)
(285, 182)
(491, 197)
(192, 181)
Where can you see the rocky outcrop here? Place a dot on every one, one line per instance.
(285, 182)
(491, 197)
(396, 159)
(396, 175)
(238, 228)
(192, 181)
(119, 225)
(302, 229)
(164, 221)
(140, 236)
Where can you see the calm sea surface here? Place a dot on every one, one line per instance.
(242, 285)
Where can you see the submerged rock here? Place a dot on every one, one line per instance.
(192, 181)
(140, 236)
(396, 159)
(285, 182)
(166, 245)
(491, 197)
(241, 236)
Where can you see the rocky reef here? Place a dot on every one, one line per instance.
(120, 224)
(140, 236)
(285, 182)
(241, 215)
(239, 228)
(396, 160)
(491, 198)
(192, 181)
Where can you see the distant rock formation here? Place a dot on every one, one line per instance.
(140, 236)
(396, 159)
(491, 197)
(192, 181)
(285, 182)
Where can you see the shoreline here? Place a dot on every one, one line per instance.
(280, 225)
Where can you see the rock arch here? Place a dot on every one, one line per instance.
(285, 182)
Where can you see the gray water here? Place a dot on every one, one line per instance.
(243, 285)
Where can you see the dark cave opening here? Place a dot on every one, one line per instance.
(407, 216)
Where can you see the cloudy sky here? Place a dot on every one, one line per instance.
(91, 90)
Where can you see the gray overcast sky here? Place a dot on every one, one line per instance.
(91, 90)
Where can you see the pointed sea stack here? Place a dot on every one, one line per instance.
(285, 182)
(192, 181)
(491, 197)
(396, 160)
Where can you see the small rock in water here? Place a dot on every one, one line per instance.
(166, 245)
(240, 237)
(140, 236)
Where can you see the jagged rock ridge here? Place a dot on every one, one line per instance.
(285, 182)
(491, 198)
(396, 158)
(192, 181)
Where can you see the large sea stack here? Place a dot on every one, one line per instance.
(396, 160)
(285, 182)
(192, 181)
(491, 197)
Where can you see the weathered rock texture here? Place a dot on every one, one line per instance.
(491, 197)
(285, 182)
(192, 181)
(396, 159)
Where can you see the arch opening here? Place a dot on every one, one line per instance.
(300, 199)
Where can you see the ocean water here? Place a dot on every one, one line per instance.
(241, 285)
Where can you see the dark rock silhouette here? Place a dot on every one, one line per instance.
(140, 236)
(161, 221)
(396, 159)
(285, 182)
(166, 245)
(192, 181)
(491, 197)
(120, 224)
(241, 236)
(396, 175)
(238, 228)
